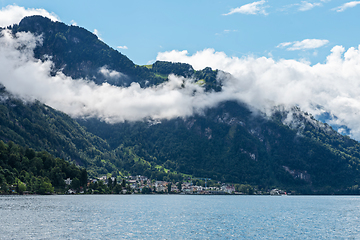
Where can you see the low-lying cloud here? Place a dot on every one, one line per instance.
(263, 83)
(30, 79)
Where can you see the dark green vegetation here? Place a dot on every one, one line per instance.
(42, 128)
(37, 126)
(229, 143)
(22, 170)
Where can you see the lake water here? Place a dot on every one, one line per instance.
(179, 217)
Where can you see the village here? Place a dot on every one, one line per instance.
(143, 185)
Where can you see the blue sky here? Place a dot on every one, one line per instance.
(143, 28)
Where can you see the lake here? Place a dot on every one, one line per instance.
(179, 217)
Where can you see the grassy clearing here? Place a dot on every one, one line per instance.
(164, 76)
(147, 66)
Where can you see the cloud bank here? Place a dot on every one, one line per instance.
(28, 78)
(263, 83)
(12, 14)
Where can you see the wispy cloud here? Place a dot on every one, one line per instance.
(346, 6)
(73, 23)
(250, 8)
(305, 44)
(226, 31)
(306, 6)
(13, 14)
(122, 47)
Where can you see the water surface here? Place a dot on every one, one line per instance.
(179, 217)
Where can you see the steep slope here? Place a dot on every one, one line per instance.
(229, 143)
(40, 127)
(232, 144)
(79, 53)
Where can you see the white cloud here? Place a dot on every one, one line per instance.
(305, 44)
(305, 6)
(226, 31)
(73, 23)
(112, 76)
(264, 83)
(250, 8)
(346, 6)
(122, 47)
(109, 73)
(30, 79)
(97, 33)
(13, 14)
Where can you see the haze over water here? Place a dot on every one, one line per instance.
(179, 217)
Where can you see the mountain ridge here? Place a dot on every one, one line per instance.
(230, 142)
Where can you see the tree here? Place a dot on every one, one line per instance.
(123, 184)
(43, 186)
(117, 189)
(83, 177)
(110, 183)
(169, 187)
(21, 187)
(145, 190)
(179, 186)
(115, 183)
(75, 184)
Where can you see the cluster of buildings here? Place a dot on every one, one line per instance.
(138, 183)
(141, 184)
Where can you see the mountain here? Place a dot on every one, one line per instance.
(79, 53)
(230, 142)
(42, 128)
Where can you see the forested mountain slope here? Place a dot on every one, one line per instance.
(79, 53)
(230, 142)
(40, 127)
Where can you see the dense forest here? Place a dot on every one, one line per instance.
(232, 145)
(22, 170)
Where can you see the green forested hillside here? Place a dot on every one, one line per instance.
(24, 170)
(80, 54)
(228, 143)
(42, 128)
